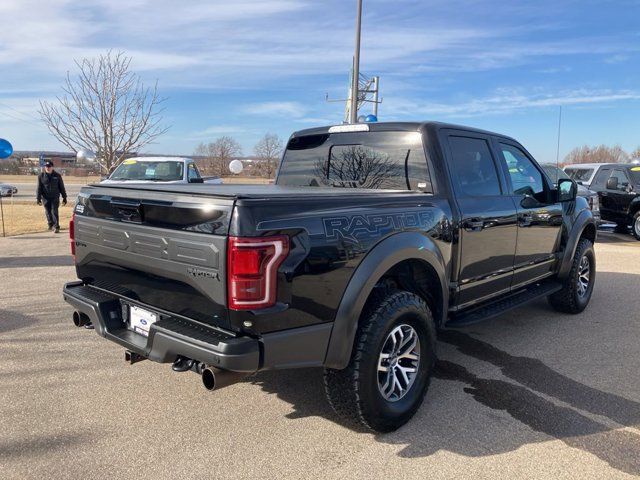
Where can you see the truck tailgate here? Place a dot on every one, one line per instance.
(164, 250)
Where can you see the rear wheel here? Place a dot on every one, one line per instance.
(578, 286)
(636, 225)
(391, 364)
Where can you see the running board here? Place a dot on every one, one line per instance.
(503, 304)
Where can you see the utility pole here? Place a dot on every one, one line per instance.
(355, 76)
(376, 90)
(362, 89)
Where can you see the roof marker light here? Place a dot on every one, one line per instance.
(356, 127)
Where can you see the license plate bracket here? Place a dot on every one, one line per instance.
(140, 320)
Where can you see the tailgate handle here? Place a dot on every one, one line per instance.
(129, 211)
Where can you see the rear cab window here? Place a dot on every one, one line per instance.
(366, 160)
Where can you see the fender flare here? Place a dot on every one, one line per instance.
(386, 254)
(585, 218)
(634, 206)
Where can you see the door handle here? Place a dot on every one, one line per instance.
(473, 225)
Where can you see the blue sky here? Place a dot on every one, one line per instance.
(245, 67)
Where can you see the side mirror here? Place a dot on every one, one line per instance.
(529, 202)
(612, 183)
(567, 190)
(196, 180)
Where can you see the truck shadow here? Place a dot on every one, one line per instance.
(10, 320)
(39, 261)
(544, 403)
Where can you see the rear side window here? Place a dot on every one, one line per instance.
(473, 167)
(376, 160)
(579, 174)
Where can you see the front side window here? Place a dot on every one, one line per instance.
(192, 171)
(554, 173)
(473, 167)
(601, 176)
(526, 179)
(376, 160)
(623, 181)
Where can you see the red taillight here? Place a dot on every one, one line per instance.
(252, 268)
(72, 235)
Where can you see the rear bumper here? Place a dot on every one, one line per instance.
(168, 338)
(171, 337)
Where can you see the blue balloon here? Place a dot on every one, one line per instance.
(371, 118)
(5, 148)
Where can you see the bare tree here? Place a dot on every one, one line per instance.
(599, 154)
(635, 155)
(106, 108)
(358, 167)
(217, 155)
(267, 152)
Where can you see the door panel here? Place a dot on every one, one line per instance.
(488, 244)
(488, 220)
(616, 199)
(539, 221)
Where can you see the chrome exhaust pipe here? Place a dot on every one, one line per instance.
(214, 378)
(80, 319)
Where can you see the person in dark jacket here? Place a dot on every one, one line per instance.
(50, 189)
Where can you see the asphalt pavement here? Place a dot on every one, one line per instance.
(530, 394)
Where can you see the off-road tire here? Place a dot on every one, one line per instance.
(635, 225)
(354, 392)
(568, 300)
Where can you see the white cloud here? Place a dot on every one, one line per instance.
(277, 109)
(215, 131)
(507, 102)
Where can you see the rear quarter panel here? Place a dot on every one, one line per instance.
(330, 236)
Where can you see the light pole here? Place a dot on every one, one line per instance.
(353, 117)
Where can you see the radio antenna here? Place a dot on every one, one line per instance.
(559, 129)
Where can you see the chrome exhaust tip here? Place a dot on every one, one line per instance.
(80, 319)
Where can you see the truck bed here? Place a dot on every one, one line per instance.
(239, 191)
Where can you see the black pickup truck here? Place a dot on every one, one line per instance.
(373, 238)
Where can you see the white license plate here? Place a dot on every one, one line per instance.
(140, 320)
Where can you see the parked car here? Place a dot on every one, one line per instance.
(618, 186)
(583, 173)
(555, 174)
(7, 190)
(158, 169)
(372, 238)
